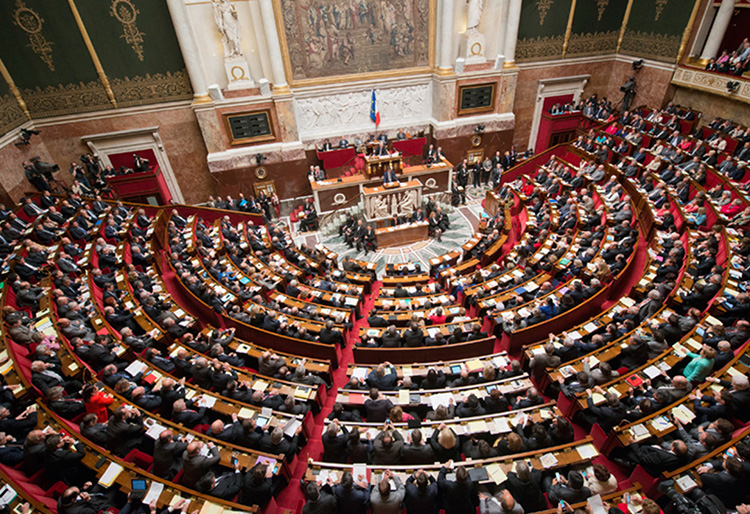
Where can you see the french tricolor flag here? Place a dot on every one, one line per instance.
(374, 114)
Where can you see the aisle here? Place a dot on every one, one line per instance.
(291, 496)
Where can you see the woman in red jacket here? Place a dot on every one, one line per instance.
(96, 402)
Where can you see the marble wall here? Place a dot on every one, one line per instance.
(178, 128)
(606, 77)
(713, 105)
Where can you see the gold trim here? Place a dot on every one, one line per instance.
(343, 79)
(624, 25)
(688, 31)
(92, 52)
(509, 64)
(126, 13)
(14, 89)
(476, 110)
(569, 28)
(30, 22)
(205, 98)
(258, 139)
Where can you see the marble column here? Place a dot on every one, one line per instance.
(187, 41)
(446, 36)
(511, 32)
(501, 29)
(718, 29)
(274, 48)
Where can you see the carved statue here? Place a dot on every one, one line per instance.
(225, 16)
(474, 15)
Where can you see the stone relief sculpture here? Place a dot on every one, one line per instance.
(347, 112)
(225, 16)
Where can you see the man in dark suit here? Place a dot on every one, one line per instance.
(656, 460)
(367, 240)
(415, 451)
(389, 177)
(225, 486)
(377, 407)
(607, 415)
(195, 465)
(571, 490)
(525, 484)
(459, 495)
(124, 430)
(63, 462)
(381, 149)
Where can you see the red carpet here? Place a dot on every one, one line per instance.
(291, 496)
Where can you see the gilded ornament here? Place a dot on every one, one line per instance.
(31, 23)
(601, 6)
(11, 115)
(261, 172)
(661, 47)
(543, 7)
(660, 5)
(126, 13)
(539, 48)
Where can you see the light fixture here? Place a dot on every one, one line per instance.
(637, 65)
(733, 86)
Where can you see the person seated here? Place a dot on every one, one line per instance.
(367, 240)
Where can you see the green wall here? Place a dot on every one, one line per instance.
(654, 29)
(44, 51)
(542, 29)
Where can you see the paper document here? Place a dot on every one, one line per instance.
(153, 492)
(110, 475)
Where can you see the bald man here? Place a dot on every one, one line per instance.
(196, 465)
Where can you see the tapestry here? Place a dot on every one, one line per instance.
(342, 37)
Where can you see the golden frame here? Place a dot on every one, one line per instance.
(257, 139)
(476, 110)
(338, 79)
(475, 155)
(268, 187)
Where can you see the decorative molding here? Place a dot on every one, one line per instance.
(66, 99)
(714, 83)
(532, 48)
(126, 13)
(137, 90)
(660, 47)
(11, 115)
(601, 6)
(543, 6)
(31, 23)
(660, 5)
(596, 43)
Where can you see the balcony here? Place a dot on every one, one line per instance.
(712, 82)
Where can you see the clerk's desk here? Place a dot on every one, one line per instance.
(344, 192)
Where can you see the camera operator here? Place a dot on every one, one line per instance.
(34, 177)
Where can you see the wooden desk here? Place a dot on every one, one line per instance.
(402, 234)
(377, 164)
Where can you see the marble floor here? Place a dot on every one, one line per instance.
(463, 223)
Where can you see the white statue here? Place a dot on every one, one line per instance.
(474, 15)
(226, 19)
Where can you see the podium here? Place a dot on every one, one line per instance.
(376, 165)
(388, 202)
